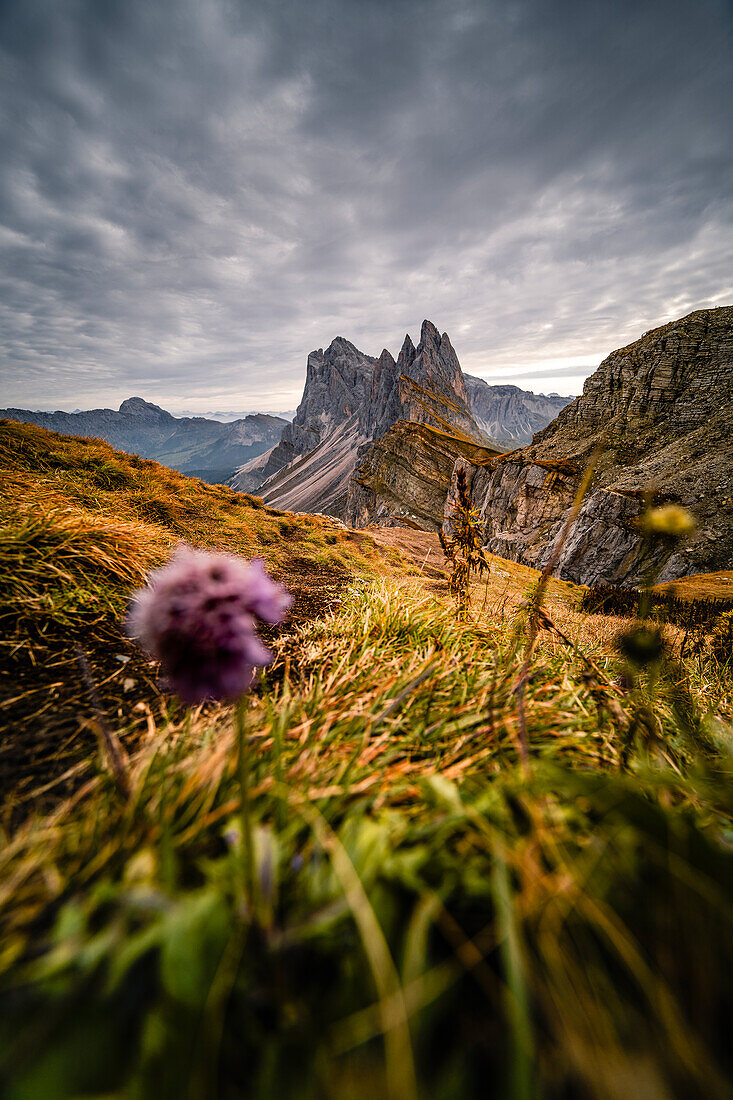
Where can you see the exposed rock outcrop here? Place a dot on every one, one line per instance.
(402, 478)
(659, 414)
(248, 477)
(331, 423)
(508, 415)
(431, 386)
(318, 480)
(194, 445)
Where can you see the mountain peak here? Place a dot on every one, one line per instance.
(407, 351)
(137, 406)
(349, 400)
(340, 345)
(429, 333)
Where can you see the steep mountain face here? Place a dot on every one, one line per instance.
(248, 477)
(659, 416)
(431, 387)
(402, 478)
(509, 415)
(317, 481)
(204, 448)
(329, 426)
(349, 400)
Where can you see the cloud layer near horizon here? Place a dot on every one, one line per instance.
(195, 193)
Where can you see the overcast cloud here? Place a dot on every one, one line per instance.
(195, 193)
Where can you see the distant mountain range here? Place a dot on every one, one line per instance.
(508, 415)
(379, 440)
(227, 415)
(203, 448)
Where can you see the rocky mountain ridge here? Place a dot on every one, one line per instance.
(509, 415)
(349, 400)
(402, 478)
(352, 400)
(203, 448)
(657, 417)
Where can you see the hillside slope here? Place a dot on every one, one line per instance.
(80, 524)
(204, 448)
(428, 910)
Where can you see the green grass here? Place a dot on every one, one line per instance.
(434, 920)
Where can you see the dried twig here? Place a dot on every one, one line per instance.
(463, 545)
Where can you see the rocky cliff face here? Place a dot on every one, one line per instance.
(402, 478)
(508, 415)
(431, 386)
(349, 400)
(659, 415)
(194, 445)
(329, 426)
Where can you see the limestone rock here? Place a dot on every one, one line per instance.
(508, 415)
(432, 389)
(403, 477)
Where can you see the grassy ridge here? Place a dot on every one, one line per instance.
(43, 471)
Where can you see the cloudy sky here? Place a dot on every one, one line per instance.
(196, 193)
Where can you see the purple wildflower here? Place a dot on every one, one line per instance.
(198, 615)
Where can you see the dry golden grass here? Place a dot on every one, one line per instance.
(80, 526)
(701, 586)
(43, 471)
(506, 589)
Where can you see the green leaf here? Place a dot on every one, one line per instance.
(194, 936)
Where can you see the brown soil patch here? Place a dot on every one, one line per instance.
(422, 547)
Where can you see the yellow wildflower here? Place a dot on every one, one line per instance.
(670, 519)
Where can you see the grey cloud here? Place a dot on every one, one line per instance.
(194, 193)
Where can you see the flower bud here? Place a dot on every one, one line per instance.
(642, 645)
(671, 519)
(197, 616)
